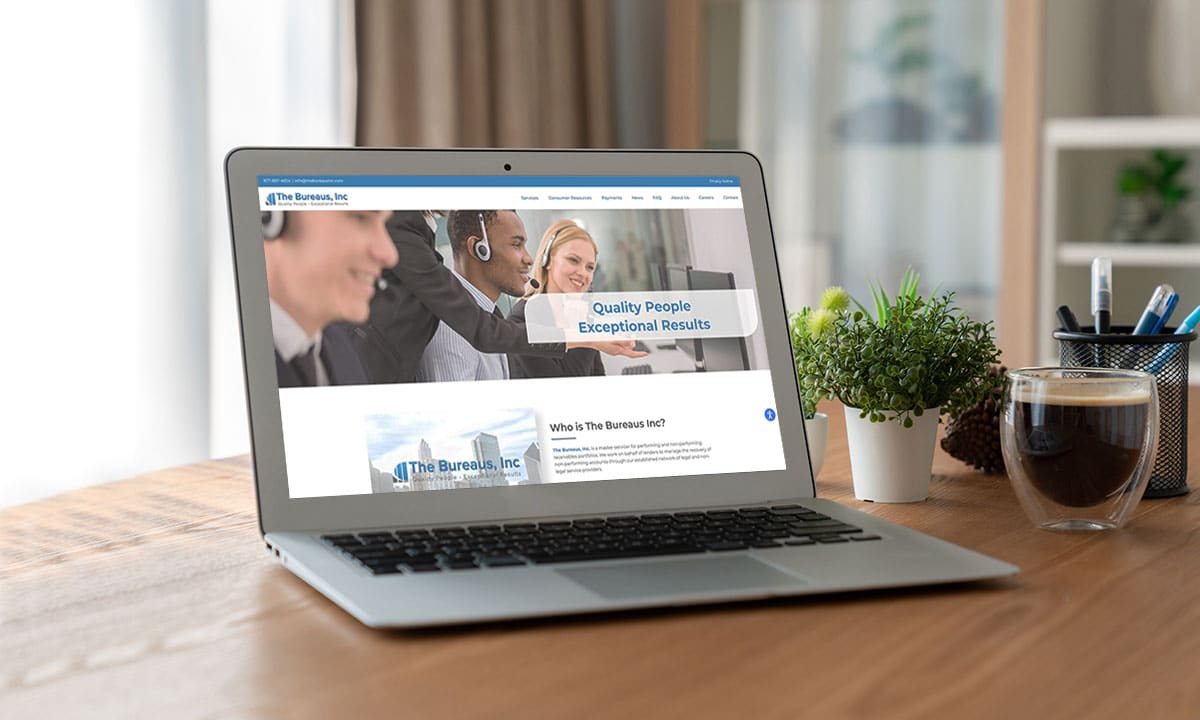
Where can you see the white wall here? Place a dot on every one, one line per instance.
(1072, 49)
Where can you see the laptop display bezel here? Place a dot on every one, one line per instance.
(279, 512)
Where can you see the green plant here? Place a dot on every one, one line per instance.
(1157, 180)
(914, 354)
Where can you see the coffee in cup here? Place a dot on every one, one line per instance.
(1079, 449)
(1079, 443)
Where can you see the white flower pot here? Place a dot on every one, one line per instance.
(817, 429)
(889, 462)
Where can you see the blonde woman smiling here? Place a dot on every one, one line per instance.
(565, 263)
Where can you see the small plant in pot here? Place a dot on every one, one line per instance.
(806, 326)
(896, 371)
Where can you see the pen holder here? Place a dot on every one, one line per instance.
(1166, 357)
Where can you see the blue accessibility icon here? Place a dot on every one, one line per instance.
(769, 415)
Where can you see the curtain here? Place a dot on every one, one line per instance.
(480, 73)
(276, 73)
(105, 261)
(118, 282)
(876, 122)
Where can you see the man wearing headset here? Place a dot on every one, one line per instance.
(422, 293)
(322, 269)
(490, 259)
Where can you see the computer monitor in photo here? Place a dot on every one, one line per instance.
(658, 277)
(717, 354)
(677, 281)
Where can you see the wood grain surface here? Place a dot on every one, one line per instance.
(155, 597)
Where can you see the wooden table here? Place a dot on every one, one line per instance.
(154, 597)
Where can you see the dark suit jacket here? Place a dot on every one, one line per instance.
(575, 362)
(337, 354)
(421, 292)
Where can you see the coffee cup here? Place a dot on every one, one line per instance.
(1079, 444)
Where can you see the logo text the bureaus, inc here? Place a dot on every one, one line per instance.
(483, 465)
(407, 469)
(307, 199)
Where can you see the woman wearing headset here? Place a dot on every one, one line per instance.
(565, 263)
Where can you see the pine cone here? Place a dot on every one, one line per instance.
(974, 437)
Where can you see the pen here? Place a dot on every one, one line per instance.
(1156, 309)
(1102, 293)
(1189, 323)
(1067, 319)
(1160, 360)
(1172, 301)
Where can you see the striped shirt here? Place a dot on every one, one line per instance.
(449, 357)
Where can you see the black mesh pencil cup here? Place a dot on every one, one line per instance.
(1166, 357)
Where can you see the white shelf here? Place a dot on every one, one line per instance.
(1132, 255)
(1121, 132)
(1104, 143)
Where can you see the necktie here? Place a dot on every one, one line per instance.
(305, 365)
(503, 358)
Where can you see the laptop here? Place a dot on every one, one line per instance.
(442, 428)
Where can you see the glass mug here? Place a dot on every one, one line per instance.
(1079, 444)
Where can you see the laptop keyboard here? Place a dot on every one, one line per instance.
(601, 538)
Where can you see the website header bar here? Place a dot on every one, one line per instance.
(509, 181)
(566, 198)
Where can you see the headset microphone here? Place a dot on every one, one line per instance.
(550, 245)
(273, 222)
(533, 283)
(481, 248)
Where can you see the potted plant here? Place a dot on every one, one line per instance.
(896, 372)
(806, 326)
(1151, 196)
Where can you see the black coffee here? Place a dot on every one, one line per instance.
(1080, 452)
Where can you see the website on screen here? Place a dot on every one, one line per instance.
(543, 330)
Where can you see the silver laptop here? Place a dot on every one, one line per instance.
(494, 384)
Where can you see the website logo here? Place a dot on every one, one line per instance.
(407, 469)
(306, 199)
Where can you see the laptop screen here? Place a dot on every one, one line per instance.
(541, 330)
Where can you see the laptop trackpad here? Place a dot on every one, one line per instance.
(681, 577)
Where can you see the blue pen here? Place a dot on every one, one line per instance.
(1155, 311)
(1160, 360)
(1172, 301)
